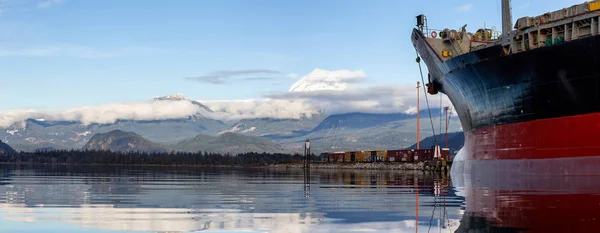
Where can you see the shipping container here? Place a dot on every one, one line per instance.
(370, 156)
(354, 156)
(400, 155)
(336, 157)
(360, 156)
(381, 156)
(331, 157)
(446, 154)
(339, 156)
(594, 6)
(349, 157)
(423, 155)
(393, 156)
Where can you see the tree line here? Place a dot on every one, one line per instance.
(142, 158)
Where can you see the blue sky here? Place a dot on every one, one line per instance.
(56, 54)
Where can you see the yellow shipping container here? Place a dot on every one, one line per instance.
(354, 156)
(594, 6)
(381, 155)
(348, 156)
(360, 156)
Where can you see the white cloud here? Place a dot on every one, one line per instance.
(465, 7)
(107, 113)
(318, 91)
(320, 79)
(259, 108)
(49, 3)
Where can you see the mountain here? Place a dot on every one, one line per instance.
(32, 134)
(228, 143)
(181, 97)
(359, 120)
(336, 132)
(456, 141)
(5, 148)
(264, 127)
(118, 140)
(363, 131)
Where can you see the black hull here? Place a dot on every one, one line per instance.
(489, 88)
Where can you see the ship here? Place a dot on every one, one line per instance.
(528, 97)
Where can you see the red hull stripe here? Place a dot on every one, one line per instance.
(564, 137)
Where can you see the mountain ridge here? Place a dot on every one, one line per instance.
(122, 141)
(5, 148)
(228, 143)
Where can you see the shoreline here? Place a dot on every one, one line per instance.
(314, 166)
(358, 166)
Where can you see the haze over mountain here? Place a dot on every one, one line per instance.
(228, 143)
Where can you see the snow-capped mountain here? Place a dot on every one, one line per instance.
(324, 80)
(330, 132)
(181, 97)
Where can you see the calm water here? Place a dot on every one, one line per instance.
(100, 199)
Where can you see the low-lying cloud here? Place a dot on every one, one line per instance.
(107, 113)
(334, 94)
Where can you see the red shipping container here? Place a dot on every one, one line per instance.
(400, 155)
(423, 155)
(336, 157)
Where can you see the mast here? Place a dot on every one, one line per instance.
(506, 17)
(418, 117)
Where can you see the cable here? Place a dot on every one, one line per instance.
(427, 99)
(434, 206)
(441, 112)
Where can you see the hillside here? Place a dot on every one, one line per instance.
(122, 141)
(230, 143)
(351, 131)
(456, 141)
(5, 148)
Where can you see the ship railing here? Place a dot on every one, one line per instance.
(429, 33)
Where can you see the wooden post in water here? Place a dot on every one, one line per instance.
(307, 165)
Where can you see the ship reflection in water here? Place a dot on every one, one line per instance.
(513, 203)
(94, 199)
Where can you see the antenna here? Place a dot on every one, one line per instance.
(506, 17)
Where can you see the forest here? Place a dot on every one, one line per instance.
(140, 158)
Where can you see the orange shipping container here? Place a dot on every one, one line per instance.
(349, 157)
(360, 156)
